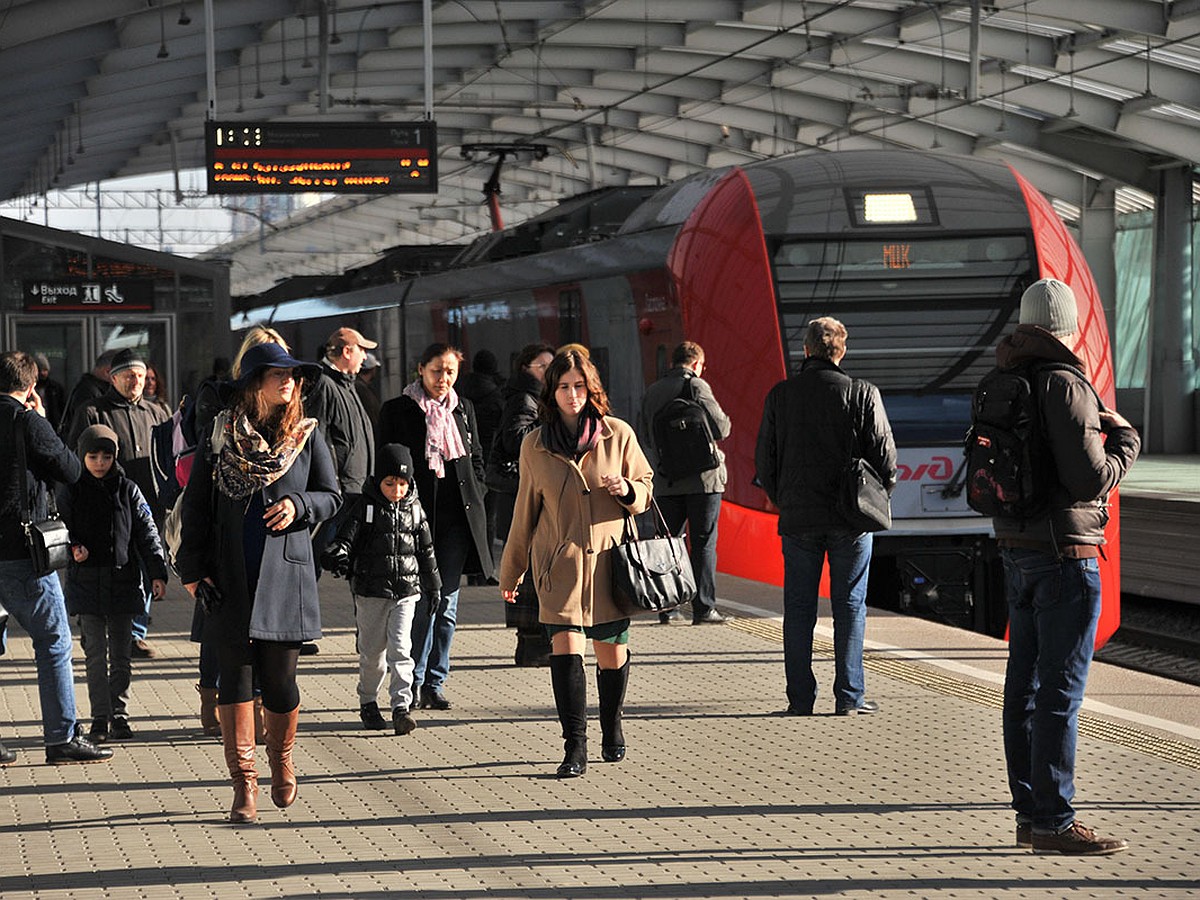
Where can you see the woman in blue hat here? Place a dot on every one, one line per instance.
(261, 480)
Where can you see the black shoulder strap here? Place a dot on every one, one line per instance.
(21, 430)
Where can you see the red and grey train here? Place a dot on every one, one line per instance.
(923, 256)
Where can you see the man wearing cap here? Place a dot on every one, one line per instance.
(335, 404)
(123, 409)
(1051, 575)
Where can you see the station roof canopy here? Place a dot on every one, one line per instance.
(1081, 95)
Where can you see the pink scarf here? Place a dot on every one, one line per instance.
(443, 442)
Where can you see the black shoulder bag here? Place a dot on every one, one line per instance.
(48, 539)
(654, 574)
(862, 499)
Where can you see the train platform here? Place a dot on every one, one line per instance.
(717, 798)
(1160, 518)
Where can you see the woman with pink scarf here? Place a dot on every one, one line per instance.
(438, 427)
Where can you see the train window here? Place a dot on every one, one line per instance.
(937, 418)
(570, 318)
(454, 326)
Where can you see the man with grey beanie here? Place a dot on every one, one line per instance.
(1051, 574)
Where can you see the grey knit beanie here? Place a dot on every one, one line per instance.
(1050, 304)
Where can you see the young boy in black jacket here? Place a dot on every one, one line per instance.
(385, 548)
(115, 544)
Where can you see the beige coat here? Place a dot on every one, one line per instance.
(565, 524)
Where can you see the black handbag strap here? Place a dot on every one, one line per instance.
(26, 489)
(630, 532)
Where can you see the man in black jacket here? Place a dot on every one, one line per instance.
(35, 602)
(90, 386)
(335, 404)
(813, 425)
(693, 499)
(126, 410)
(1052, 575)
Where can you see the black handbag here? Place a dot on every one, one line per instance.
(653, 574)
(49, 539)
(863, 500)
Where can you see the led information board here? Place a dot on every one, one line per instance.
(325, 157)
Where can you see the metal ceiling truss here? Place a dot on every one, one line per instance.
(623, 91)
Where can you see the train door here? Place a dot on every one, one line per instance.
(63, 340)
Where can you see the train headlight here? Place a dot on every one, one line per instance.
(885, 208)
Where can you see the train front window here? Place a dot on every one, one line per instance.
(922, 419)
(924, 313)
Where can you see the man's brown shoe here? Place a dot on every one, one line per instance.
(1078, 840)
(1024, 835)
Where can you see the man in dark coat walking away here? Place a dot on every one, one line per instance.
(91, 386)
(519, 417)
(693, 499)
(124, 408)
(1052, 577)
(814, 424)
(336, 406)
(482, 387)
(36, 601)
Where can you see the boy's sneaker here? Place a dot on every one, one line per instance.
(372, 719)
(77, 750)
(1078, 840)
(99, 730)
(402, 721)
(121, 730)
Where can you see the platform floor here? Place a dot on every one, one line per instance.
(716, 797)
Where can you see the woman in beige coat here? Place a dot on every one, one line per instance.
(580, 472)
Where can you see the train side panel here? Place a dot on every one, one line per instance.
(1060, 257)
(727, 297)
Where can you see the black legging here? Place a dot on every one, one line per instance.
(275, 664)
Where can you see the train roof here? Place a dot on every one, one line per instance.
(808, 193)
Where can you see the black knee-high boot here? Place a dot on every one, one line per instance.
(570, 696)
(611, 684)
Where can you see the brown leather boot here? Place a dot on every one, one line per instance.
(210, 721)
(237, 730)
(281, 738)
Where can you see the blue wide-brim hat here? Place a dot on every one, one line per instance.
(273, 356)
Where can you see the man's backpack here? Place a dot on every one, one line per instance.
(1009, 466)
(683, 437)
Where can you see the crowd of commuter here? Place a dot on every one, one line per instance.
(297, 467)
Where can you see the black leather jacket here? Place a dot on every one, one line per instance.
(385, 547)
(812, 425)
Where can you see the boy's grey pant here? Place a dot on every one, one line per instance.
(385, 648)
(107, 645)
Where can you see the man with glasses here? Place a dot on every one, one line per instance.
(335, 404)
(125, 409)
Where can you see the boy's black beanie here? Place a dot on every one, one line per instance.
(393, 459)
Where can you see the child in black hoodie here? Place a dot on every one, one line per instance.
(115, 545)
(385, 548)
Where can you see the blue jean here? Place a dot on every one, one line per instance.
(1053, 608)
(433, 631)
(701, 512)
(38, 606)
(849, 562)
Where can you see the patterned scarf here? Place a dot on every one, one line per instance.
(443, 442)
(246, 463)
(559, 440)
